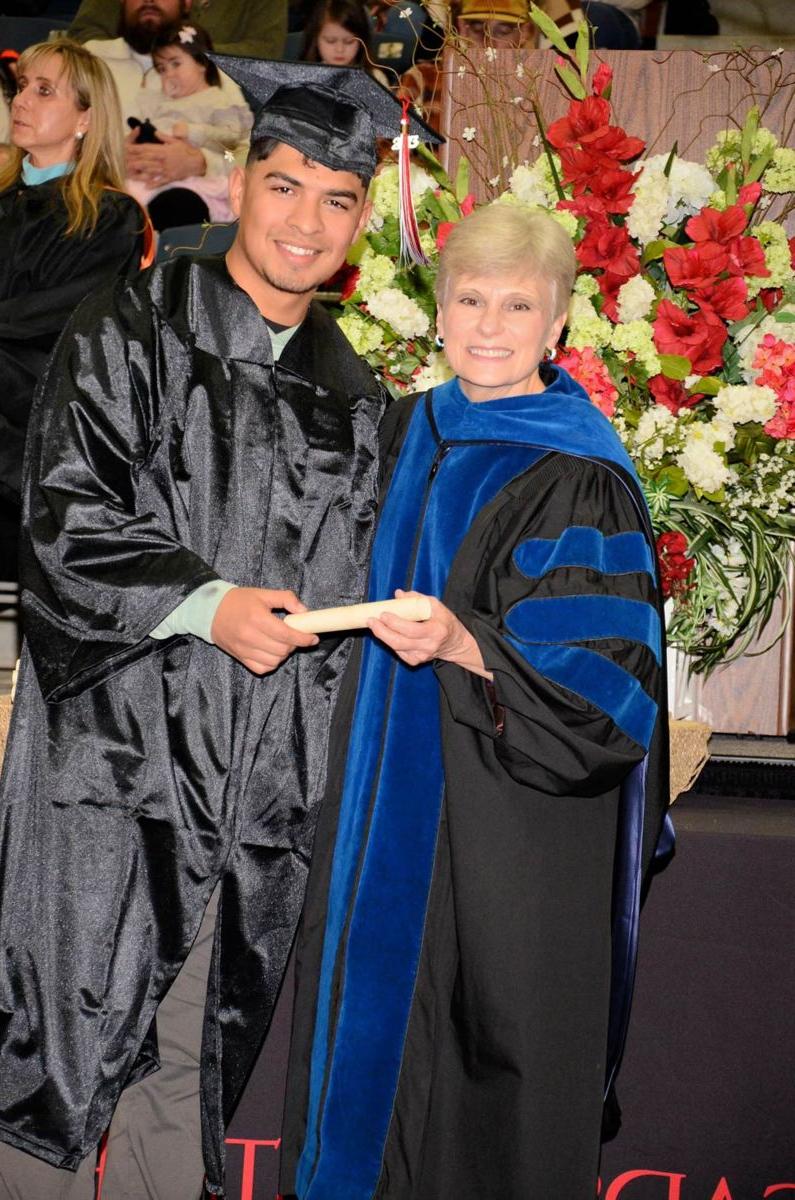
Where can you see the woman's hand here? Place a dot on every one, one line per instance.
(441, 636)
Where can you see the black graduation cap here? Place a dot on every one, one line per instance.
(333, 115)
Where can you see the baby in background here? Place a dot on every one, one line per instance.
(192, 105)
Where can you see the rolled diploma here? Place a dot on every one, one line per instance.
(356, 616)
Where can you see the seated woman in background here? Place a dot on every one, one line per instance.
(192, 106)
(65, 230)
(498, 774)
(338, 33)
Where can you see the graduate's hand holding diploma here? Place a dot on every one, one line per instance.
(442, 636)
(245, 627)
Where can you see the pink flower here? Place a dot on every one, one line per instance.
(775, 362)
(588, 369)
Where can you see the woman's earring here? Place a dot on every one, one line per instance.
(439, 342)
(551, 351)
(80, 135)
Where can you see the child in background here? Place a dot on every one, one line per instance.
(338, 33)
(190, 106)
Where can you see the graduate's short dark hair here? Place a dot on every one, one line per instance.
(262, 148)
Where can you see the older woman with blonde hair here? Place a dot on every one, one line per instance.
(65, 230)
(498, 774)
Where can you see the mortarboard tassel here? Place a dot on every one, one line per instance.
(410, 248)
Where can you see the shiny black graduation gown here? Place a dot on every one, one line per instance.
(513, 1030)
(44, 275)
(166, 450)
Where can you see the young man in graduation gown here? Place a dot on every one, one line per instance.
(497, 777)
(203, 453)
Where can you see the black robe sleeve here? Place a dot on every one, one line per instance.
(101, 561)
(545, 735)
(44, 278)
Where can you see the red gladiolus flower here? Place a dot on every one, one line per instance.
(728, 298)
(345, 280)
(746, 257)
(671, 394)
(468, 205)
(699, 337)
(695, 266)
(580, 167)
(443, 231)
(771, 297)
(609, 286)
(713, 226)
(675, 566)
(602, 81)
(791, 244)
(749, 193)
(609, 246)
(614, 187)
(587, 126)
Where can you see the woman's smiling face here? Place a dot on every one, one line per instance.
(496, 329)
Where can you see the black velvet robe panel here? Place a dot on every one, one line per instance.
(502, 1081)
(167, 450)
(44, 275)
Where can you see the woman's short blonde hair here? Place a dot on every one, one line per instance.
(99, 156)
(502, 239)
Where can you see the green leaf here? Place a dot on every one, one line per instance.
(674, 479)
(675, 366)
(749, 133)
(670, 160)
(462, 179)
(707, 385)
(549, 29)
(656, 249)
(570, 81)
(785, 318)
(581, 51)
(759, 166)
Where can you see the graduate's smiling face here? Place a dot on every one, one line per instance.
(297, 222)
(496, 329)
(46, 119)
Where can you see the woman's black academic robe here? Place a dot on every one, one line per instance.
(167, 450)
(492, 1086)
(44, 275)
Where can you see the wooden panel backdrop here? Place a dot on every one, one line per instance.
(489, 104)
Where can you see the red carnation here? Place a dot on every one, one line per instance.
(699, 337)
(671, 394)
(713, 226)
(746, 257)
(675, 566)
(608, 246)
(695, 266)
(602, 81)
(728, 298)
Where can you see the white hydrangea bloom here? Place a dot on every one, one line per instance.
(740, 403)
(635, 299)
(637, 337)
(688, 186)
(773, 239)
(399, 311)
(436, 370)
(533, 184)
(647, 214)
(704, 466)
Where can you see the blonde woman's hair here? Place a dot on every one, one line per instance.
(99, 156)
(502, 239)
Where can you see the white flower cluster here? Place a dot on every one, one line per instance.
(702, 462)
(724, 601)
(667, 200)
(384, 192)
(773, 238)
(533, 184)
(399, 311)
(656, 429)
(768, 490)
(436, 370)
(740, 403)
(635, 299)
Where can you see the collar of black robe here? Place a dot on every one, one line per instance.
(202, 302)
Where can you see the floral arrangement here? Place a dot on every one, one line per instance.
(681, 329)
